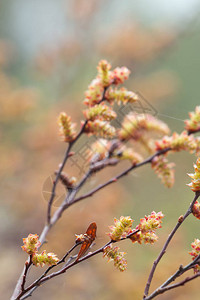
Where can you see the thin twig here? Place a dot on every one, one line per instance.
(55, 184)
(173, 286)
(122, 174)
(44, 278)
(28, 263)
(180, 221)
(46, 272)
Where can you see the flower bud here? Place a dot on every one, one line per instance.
(196, 210)
(104, 73)
(193, 124)
(118, 257)
(44, 258)
(178, 142)
(31, 244)
(164, 170)
(120, 75)
(120, 96)
(100, 128)
(121, 228)
(66, 127)
(134, 126)
(101, 112)
(195, 252)
(195, 184)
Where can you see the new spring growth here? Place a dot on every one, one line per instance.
(104, 79)
(121, 228)
(195, 252)
(196, 210)
(164, 170)
(135, 125)
(101, 112)
(44, 258)
(125, 153)
(118, 257)
(66, 127)
(195, 184)
(120, 96)
(147, 226)
(100, 128)
(178, 142)
(193, 124)
(31, 245)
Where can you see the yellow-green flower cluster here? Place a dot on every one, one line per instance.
(66, 127)
(178, 142)
(99, 149)
(103, 80)
(193, 124)
(134, 126)
(100, 128)
(128, 154)
(196, 210)
(101, 112)
(147, 227)
(121, 228)
(195, 252)
(195, 184)
(120, 75)
(31, 244)
(120, 96)
(104, 73)
(164, 170)
(44, 258)
(118, 257)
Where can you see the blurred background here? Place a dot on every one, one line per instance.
(48, 55)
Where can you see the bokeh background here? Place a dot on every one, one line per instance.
(48, 55)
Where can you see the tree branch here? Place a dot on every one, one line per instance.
(180, 221)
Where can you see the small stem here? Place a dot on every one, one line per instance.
(122, 174)
(160, 291)
(45, 278)
(55, 184)
(36, 283)
(188, 212)
(28, 263)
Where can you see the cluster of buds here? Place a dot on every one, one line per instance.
(120, 96)
(103, 80)
(94, 93)
(66, 127)
(125, 153)
(101, 128)
(120, 75)
(67, 181)
(44, 258)
(178, 142)
(195, 184)
(31, 245)
(98, 150)
(104, 73)
(196, 210)
(196, 253)
(193, 124)
(121, 228)
(101, 112)
(118, 257)
(164, 170)
(134, 126)
(147, 227)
